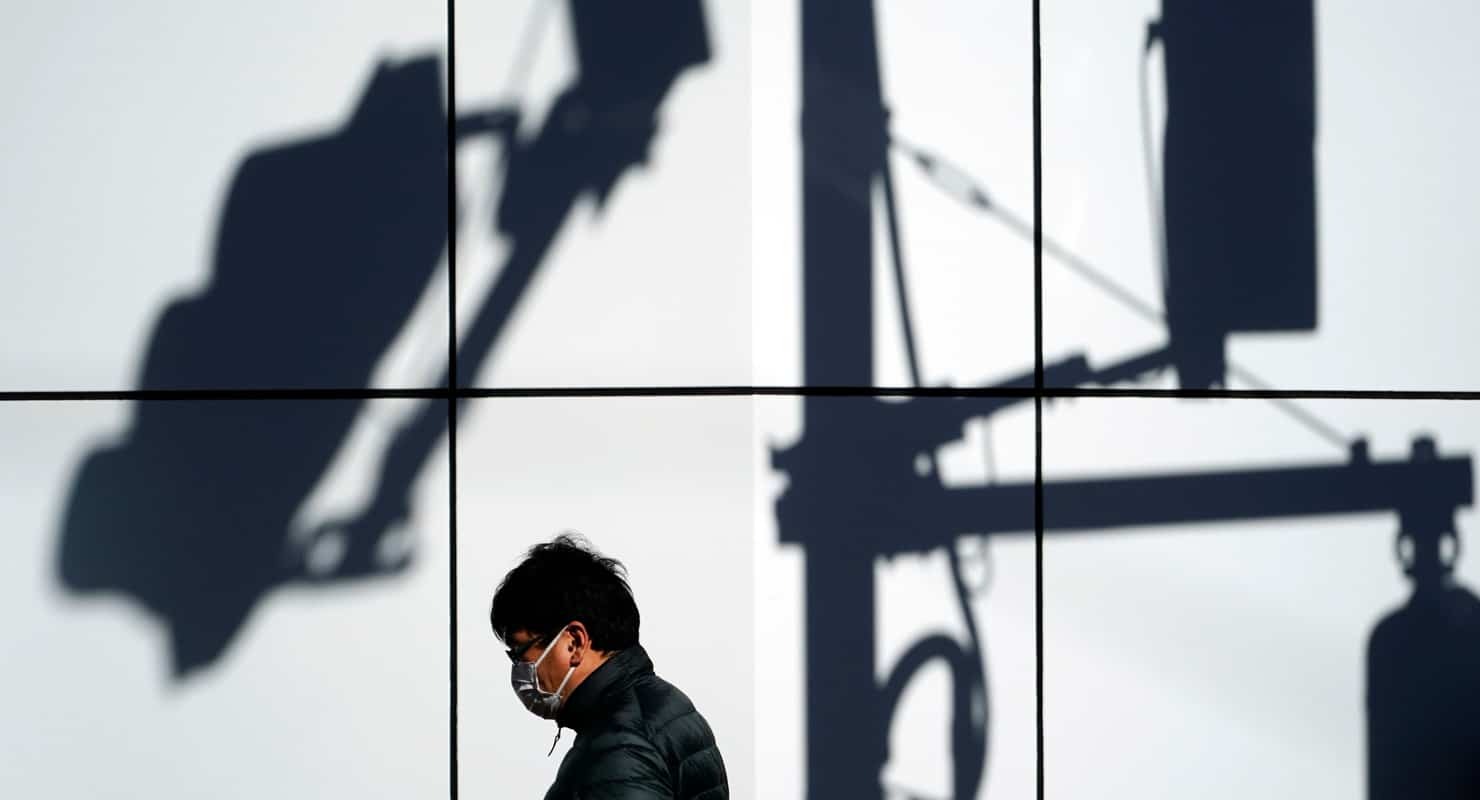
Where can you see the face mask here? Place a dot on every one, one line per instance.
(526, 680)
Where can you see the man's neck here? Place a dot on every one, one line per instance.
(590, 664)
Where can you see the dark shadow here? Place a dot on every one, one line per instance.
(1239, 175)
(862, 483)
(324, 248)
(854, 491)
(1423, 672)
(599, 128)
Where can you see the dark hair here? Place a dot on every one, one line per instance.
(563, 581)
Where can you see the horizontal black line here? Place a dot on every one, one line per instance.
(1025, 392)
(223, 394)
(1283, 394)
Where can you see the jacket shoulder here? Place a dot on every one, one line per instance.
(683, 736)
(652, 744)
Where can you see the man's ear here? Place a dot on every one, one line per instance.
(580, 642)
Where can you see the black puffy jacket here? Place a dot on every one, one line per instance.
(637, 738)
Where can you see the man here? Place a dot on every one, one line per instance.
(569, 619)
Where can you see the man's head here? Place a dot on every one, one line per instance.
(566, 607)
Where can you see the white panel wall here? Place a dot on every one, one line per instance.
(1210, 660)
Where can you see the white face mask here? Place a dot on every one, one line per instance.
(526, 680)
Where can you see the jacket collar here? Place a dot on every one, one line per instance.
(593, 700)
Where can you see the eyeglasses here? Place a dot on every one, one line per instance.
(516, 653)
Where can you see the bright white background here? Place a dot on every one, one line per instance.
(124, 126)
(1215, 661)
(654, 288)
(663, 484)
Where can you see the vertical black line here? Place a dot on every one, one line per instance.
(1038, 382)
(452, 394)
